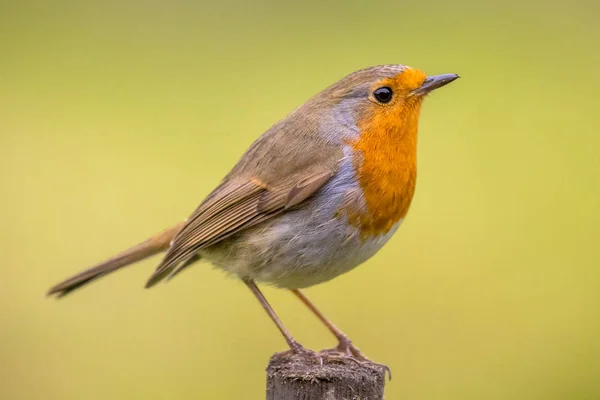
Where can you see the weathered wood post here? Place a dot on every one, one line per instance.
(298, 378)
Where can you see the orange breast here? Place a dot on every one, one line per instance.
(385, 161)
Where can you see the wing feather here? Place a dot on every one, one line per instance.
(235, 205)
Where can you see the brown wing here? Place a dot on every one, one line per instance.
(233, 206)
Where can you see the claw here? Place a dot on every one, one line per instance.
(297, 349)
(346, 350)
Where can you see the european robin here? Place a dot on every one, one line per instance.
(316, 195)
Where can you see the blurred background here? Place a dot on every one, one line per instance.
(117, 118)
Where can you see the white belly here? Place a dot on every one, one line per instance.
(295, 254)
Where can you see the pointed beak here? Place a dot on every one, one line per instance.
(434, 82)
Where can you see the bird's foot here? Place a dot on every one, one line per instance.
(297, 349)
(346, 350)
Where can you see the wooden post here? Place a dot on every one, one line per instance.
(299, 378)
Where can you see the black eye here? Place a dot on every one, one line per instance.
(383, 94)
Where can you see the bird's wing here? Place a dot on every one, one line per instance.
(236, 205)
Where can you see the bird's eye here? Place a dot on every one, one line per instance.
(383, 94)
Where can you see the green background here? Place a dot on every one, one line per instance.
(117, 118)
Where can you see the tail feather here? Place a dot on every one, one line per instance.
(147, 248)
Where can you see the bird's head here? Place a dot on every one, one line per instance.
(386, 98)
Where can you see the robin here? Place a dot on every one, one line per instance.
(316, 195)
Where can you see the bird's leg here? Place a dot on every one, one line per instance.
(345, 345)
(295, 347)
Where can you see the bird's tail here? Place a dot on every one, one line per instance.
(154, 245)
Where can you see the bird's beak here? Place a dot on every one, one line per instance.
(433, 82)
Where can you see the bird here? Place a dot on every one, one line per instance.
(317, 194)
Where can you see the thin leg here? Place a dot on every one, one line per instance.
(341, 336)
(345, 345)
(294, 345)
(263, 302)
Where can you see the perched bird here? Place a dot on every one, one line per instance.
(316, 195)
